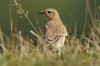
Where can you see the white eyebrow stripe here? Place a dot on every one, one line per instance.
(49, 10)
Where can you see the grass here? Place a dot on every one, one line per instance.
(20, 51)
(75, 53)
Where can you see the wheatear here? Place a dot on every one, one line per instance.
(55, 31)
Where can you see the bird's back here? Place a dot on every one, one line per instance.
(54, 31)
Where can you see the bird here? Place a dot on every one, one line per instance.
(54, 32)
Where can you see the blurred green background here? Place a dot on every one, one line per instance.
(71, 12)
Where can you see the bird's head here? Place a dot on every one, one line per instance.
(50, 13)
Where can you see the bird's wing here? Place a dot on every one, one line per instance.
(52, 35)
(48, 35)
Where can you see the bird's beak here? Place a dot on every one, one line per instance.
(42, 12)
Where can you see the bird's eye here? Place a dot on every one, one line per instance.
(49, 12)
